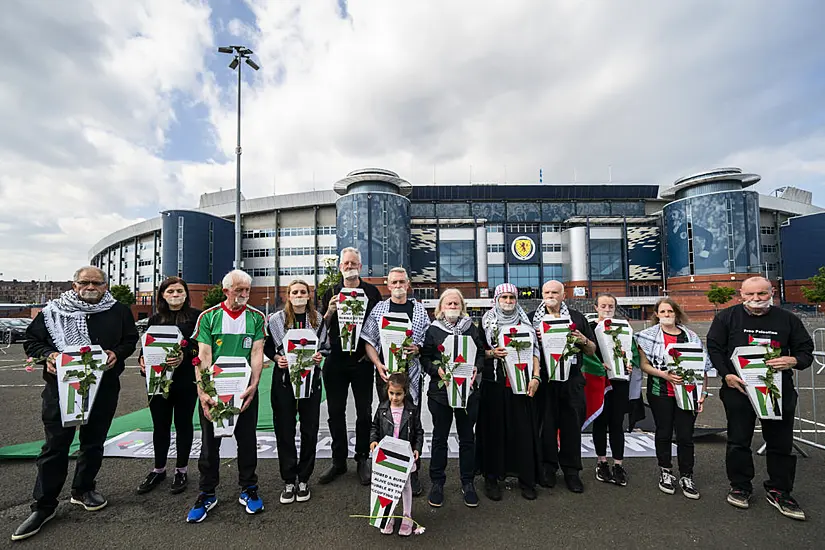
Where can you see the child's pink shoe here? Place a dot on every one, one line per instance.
(406, 528)
(388, 528)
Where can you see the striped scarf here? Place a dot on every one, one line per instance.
(541, 311)
(277, 329)
(65, 318)
(652, 342)
(461, 325)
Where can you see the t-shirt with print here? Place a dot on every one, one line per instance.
(230, 333)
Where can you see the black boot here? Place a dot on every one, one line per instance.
(363, 468)
(332, 472)
(33, 523)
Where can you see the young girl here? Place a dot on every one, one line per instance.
(298, 313)
(616, 405)
(397, 417)
(174, 308)
(653, 342)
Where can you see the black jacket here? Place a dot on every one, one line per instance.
(411, 430)
(373, 295)
(429, 353)
(582, 326)
(113, 330)
(732, 326)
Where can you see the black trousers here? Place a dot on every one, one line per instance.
(53, 461)
(339, 375)
(210, 457)
(778, 435)
(616, 407)
(465, 420)
(561, 431)
(284, 410)
(668, 416)
(180, 406)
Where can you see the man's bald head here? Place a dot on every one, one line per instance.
(755, 285)
(555, 285)
(756, 294)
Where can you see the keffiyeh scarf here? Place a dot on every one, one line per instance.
(65, 318)
(541, 311)
(459, 328)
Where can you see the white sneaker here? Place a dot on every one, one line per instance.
(303, 492)
(288, 494)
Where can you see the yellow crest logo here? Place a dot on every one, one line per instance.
(523, 248)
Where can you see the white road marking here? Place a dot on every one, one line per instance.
(22, 385)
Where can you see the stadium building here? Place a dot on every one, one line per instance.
(628, 239)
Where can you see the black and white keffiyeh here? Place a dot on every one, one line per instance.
(371, 333)
(459, 327)
(277, 330)
(652, 341)
(541, 311)
(496, 318)
(65, 318)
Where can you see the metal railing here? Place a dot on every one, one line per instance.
(5, 340)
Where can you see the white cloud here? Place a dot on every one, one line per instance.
(656, 90)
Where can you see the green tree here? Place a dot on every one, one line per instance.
(719, 295)
(213, 297)
(122, 294)
(816, 294)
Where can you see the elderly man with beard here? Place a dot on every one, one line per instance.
(398, 283)
(757, 322)
(564, 404)
(84, 316)
(342, 370)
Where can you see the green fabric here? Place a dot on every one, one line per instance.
(230, 337)
(141, 420)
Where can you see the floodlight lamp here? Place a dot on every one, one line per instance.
(234, 64)
(252, 64)
(225, 49)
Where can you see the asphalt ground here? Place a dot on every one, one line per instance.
(636, 516)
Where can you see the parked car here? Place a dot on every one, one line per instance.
(13, 330)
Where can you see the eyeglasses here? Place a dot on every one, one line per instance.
(89, 283)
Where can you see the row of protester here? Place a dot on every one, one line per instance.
(520, 387)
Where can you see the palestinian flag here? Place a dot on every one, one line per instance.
(559, 325)
(74, 388)
(397, 323)
(157, 337)
(304, 387)
(758, 341)
(596, 386)
(766, 405)
(228, 370)
(393, 460)
(752, 361)
(686, 396)
(155, 376)
(381, 511)
(230, 400)
(71, 359)
(295, 343)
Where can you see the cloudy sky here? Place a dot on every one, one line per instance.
(112, 110)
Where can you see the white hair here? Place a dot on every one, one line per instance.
(236, 276)
(351, 250)
(398, 270)
(99, 271)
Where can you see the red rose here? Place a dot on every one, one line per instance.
(85, 349)
(408, 333)
(513, 330)
(776, 344)
(196, 361)
(303, 341)
(607, 323)
(184, 343)
(674, 353)
(353, 294)
(572, 327)
(441, 348)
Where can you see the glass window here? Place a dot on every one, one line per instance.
(422, 210)
(495, 228)
(552, 272)
(552, 227)
(453, 210)
(522, 228)
(592, 209)
(557, 211)
(630, 208)
(495, 248)
(424, 293)
(551, 247)
(606, 261)
(456, 261)
(491, 211)
(523, 212)
(525, 276)
(495, 275)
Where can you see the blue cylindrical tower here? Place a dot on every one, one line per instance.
(373, 216)
(197, 246)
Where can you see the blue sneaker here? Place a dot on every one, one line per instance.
(249, 498)
(198, 512)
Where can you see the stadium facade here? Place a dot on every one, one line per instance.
(628, 239)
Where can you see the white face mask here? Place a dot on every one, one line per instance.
(298, 302)
(350, 274)
(667, 321)
(552, 303)
(175, 300)
(508, 308)
(759, 304)
(452, 314)
(399, 293)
